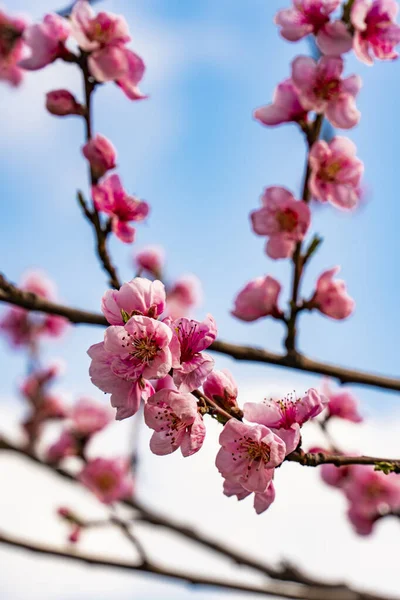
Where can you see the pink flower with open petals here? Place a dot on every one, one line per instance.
(376, 33)
(221, 386)
(285, 107)
(109, 479)
(285, 417)
(184, 295)
(111, 198)
(141, 349)
(93, 31)
(150, 259)
(62, 103)
(137, 297)
(321, 88)
(282, 218)
(335, 172)
(11, 48)
(101, 155)
(88, 417)
(312, 16)
(259, 298)
(176, 423)
(342, 404)
(248, 454)
(46, 42)
(262, 500)
(331, 296)
(193, 337)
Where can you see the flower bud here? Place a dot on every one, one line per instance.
(62, 103)
(101, 155)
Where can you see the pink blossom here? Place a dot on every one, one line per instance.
(150, 259)
(176, 423)
(282, 218)
(376, 33)
(46, 42)
(111, 198)
(371, 492)
(11, 48)
(141, 349)
(258, 299)
(312, 16)
(363, 524)
(285, 417)
(331, 475)
(66, 445)
(101, 155)
(93, 31)
(221, 386)
(108, 479)
(321, 88)
(138, 297)
(25, 328)
(331, 296)
(335, 172)
(183, 296)
(62, 103)
(89, 417)
(262, 500)
(195, 365)
(285, 107)
(248, 454)
(342, 404)
(104, 36)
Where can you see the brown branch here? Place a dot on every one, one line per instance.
(273, 589)
(11, 294)
(310, 459)
(286, 572)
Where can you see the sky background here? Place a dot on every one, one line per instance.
(193, 151)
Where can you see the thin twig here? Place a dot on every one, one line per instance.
(311, 459)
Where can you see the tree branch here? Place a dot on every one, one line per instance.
(310, 459)
(11, 294)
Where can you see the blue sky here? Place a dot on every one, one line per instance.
(193, 151)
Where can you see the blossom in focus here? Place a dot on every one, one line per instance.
(142, 349)
(322, 89)
(111, 198)
(193, 337)
(248, 454)
(150, 259)
(23, 327)
(258, 299)
(335, 172)
(139, 296)
(11, 48)
(221, 387)
(285, 107)
(285, 417)
(342, 404)
(176, 423)
(376, 32)
(331, 296)
(183, 296)
(109, 479)
(282, 218)
(313, 17)
(46, 42)
(104, 37)
(101, 155)
(62, 103)
(262, 500)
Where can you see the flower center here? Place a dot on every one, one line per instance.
(105, 482)
(188, 339)
(256, 451)
(329, 172)
(8, 38)
(144, 349)
(287, 219)
(327, 90)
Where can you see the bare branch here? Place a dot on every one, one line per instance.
(310, 459)
(11, 294)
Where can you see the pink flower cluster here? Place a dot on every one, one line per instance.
(139, 347)
(249, 454)
(23, 328)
